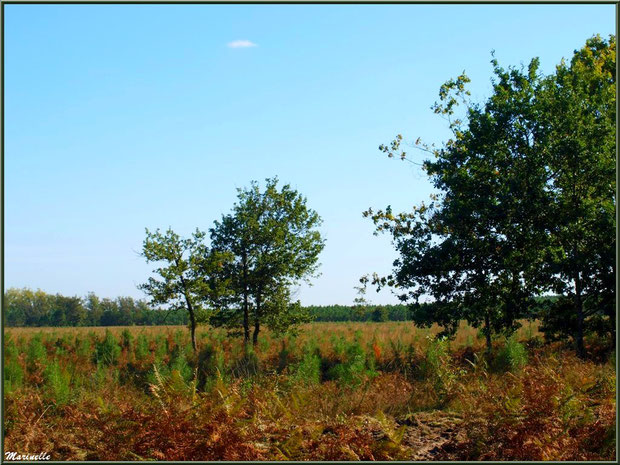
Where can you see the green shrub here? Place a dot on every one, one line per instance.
(161, 347)
(263, 344)
(208, 365)
(57, 383)
(13, 375)
(355, 366)
(82, 347)
(10, 348)
(513, 356)
(159, 372)
(36, 353)
(247, 365)
(107, 351)
(184, 345)
(339, 345)
(437, 366)
(126, 339)
(99, 378)
(308, 370)
(142, 347)
(179, 363)
(63, 344)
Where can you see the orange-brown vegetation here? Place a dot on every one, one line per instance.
(337, 391)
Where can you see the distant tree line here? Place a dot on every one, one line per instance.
(28, 308)
(25, 307)
(359, 313)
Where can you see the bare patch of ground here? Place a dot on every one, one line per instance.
(429, 435)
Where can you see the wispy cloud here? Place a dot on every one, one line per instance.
(241, 44)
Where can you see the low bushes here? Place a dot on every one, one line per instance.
(300, 398)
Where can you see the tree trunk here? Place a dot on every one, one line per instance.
(246, 320)
(246, 306)
(581, 352)
(256, 330)
(192, 317)
(192, 320)
(487, 331)
(256, 320)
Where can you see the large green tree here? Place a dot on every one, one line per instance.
(466, 249)
(274, 239)
(505, 216)
(578, 107)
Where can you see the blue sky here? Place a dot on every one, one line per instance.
(121, 117)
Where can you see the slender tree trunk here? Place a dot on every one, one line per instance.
(192, 316)
(246, 319)
(256, 330)
(581, 352)
(256, 320)
(487, 331)
(192, 322)
(246, 306)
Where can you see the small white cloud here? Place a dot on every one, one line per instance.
(241, 44)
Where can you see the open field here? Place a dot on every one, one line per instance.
(337, 391)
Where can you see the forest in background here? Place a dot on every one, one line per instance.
(28, 308)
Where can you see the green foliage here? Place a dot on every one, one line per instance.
(57, 383)
(107, 351)
(160, 347)
(189, 280)
(513, 356)
(308, 370)
(23, 307)
(274, 243)
(355, 366)
(142, 347)
(358, 313)
(82, 346)
(158, 373)
(179, 363)
(578, 106)
(526, 203)
(126, 339)
(13, 375)
(437, 366)
(107, 312)
(36, 353)
(247, 365)
(380, 314)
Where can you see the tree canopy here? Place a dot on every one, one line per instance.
(187, 276)
(274, 240)
(526, 201)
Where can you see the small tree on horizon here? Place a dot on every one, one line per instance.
(188, 279)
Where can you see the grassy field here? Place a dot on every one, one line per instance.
(337, 391)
